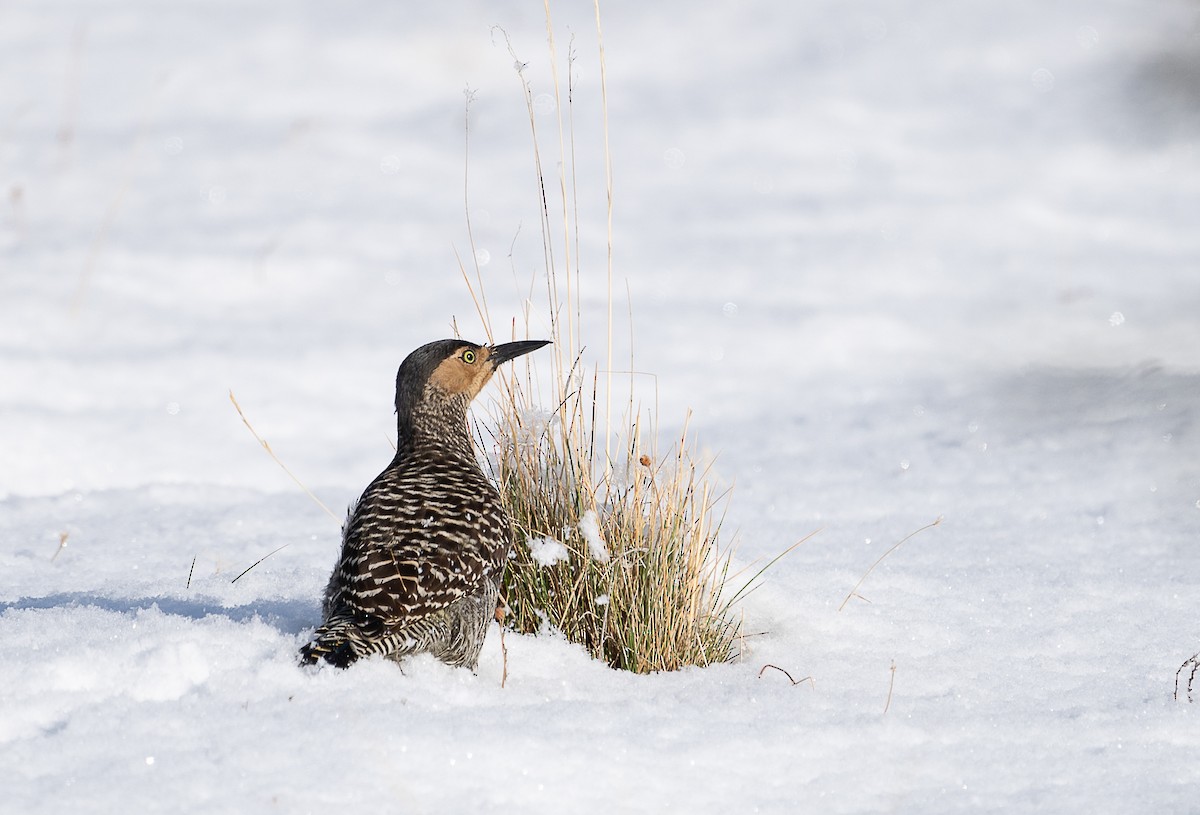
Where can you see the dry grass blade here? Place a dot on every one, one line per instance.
(260, 560)
(751, 584)
(500, 614)
(608, 190)
(893, 548)
(891, 685)
(62, 544)
(476, 294)
(275, 458)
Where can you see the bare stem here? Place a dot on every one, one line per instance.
(260, 560)
(608, 187)
(807, 679)
(861, 580)
(271, 453)
(62, 544)
(891, 685)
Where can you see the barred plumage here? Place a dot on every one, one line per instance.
(424, 547)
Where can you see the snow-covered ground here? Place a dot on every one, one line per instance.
(902, 260)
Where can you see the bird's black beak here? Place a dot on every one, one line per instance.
(511, 350)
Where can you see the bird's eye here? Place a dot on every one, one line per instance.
(468, 357)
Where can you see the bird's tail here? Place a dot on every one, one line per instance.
(342, 640)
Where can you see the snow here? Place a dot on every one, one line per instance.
(589, 528)
(901, 260)
(547, 551)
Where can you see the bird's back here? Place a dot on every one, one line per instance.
(422, 553)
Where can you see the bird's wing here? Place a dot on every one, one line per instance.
(414, 545)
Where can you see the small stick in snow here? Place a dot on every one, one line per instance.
(260, 560)
(861, 580)
(271, 453)
(1194, 661)
(500, 614)
(891, 684)
(807, 679)
(62, 544)
(192, 569)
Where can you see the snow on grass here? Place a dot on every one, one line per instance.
(547, 551)
(589, 528)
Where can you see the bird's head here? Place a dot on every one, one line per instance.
(452, 371)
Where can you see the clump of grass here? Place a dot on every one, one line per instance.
(624, 561)
(616, 546)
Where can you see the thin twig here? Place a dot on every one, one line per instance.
(192, 569)
(562, 177)
(271, 453)
(500, 615)
(481, 301)
(504, 656)
(575, 338)
(62, 544)
(1194, 661)
(260, 560)
(750, 584)
(608, 186)
(807, 679)
(476, 297)
(861, 580)
(891, 684)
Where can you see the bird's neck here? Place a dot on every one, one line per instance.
(441, 426)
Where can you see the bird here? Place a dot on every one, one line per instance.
(424, 547)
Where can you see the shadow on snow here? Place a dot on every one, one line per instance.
(289, 617)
